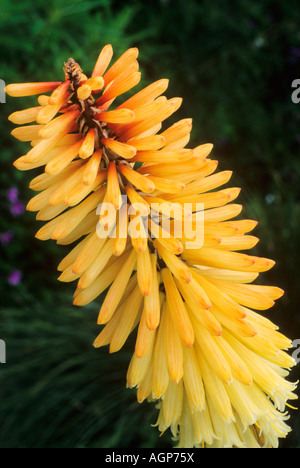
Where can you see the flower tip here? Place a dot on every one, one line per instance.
(84, 92)
(100, 320)
(248, 381)
(11, 90)
(76, 268)
(112, 350)
(175, 103)
(138, 354)
(135, 51)
(51, 170)
(12, 118)
(151, 325)
(175, 379)
(187, 277)
(30, 206)
(235, 193)
(229, 382)
(189, 343)
(164, 83)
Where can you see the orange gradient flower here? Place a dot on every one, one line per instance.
(215, 366)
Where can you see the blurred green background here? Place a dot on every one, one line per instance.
(233, 63)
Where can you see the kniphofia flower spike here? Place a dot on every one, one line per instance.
(215, 366)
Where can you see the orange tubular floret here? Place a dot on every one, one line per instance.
(113, 194)
(24, 117)
(137, 200)
(177, 309)
(48, 112)
(151, 143)
(58, 124)
(88, 146)
(92, 168)
(120, 241)
(166, 185)
(58, 93)
(103, 61)
(30, 89)
(178, 268)
(117, 289)
(84, 92)
(62, 160)
(26, 133)
(144, 114)
(122, 116)
(171, 157)
(177, 131)
(123, 150)
(96, 83)
(167, 110)
(138, 232)
(120, 65)
(119, 86)
(146, 95)
(139, 181)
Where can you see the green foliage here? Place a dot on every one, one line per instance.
(68, 395)
(233, 63)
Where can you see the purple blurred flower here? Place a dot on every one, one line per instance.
(15, 278)
(6, 237)
(13, 195)
(17, 208)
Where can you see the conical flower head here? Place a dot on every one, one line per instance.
(152, 223)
